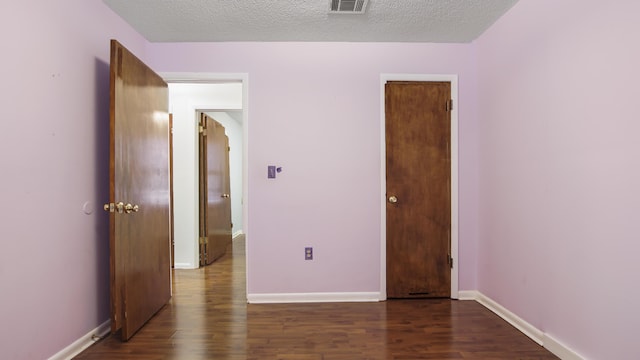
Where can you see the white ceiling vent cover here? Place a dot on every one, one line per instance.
(347, 6)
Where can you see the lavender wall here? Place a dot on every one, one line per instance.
(54, 95)
(314, 110)
(559, 170)
(556, 169)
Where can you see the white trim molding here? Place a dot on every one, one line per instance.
(185, 266)
(453, 79)
(543, 339)
(83, 342)
(312, 297)
(467, 295)
(513, 319)
(559, 349)
(203, 78)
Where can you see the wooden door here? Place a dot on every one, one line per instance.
(139, 192)
(215, 199)
(418, 170)
(172, 241)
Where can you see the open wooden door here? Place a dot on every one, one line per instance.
(139, 192)
(172, 240)
(215, 201)
(418, 133)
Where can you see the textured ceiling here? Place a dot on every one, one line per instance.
(449, 21)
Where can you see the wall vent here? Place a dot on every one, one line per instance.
(347, 6)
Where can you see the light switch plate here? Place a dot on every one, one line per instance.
(271, 172)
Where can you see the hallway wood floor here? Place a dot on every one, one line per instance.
(208, 318)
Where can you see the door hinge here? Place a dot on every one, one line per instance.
(228, 148)
(449, 105)
(231, 224)
(204, 241)
(201, 130)
(450, 260)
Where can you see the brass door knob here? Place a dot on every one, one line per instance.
(120, 208)
(225, 196)
(129, 208)
(393, 199)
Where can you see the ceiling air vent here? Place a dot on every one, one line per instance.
(347, 6)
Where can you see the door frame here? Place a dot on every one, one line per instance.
(453, 79)
(217, 78)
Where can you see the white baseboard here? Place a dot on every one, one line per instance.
(467, 295)
(187, 266)
(237, 233)
(559, 349)
(513, 319)
(545, 340)
(84, 342)
(313, 297)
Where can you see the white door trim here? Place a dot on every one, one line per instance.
(213, 78)
(453, 79)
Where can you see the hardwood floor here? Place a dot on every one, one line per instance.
(208, 318)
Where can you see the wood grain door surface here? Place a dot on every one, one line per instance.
(172, 258)
(215, 190)
(418, 177)
(139, 175)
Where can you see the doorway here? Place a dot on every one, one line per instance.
(453, 81)
(226, 94)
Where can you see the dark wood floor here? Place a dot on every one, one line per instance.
(208, 318)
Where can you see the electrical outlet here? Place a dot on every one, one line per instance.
(308, 253)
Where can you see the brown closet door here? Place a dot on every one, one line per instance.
(418, 169)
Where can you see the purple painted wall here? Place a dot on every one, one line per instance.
(54, 95)
(548, 165)
(559, 170)
(314, 109)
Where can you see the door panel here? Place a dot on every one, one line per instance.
(139, 175)
(172, 260)
(215, 191)
(418, 165)
(202, 189)
(218, 190)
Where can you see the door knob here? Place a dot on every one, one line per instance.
(131, 208)
(120, 208)
(225, 196)
(393, 199)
